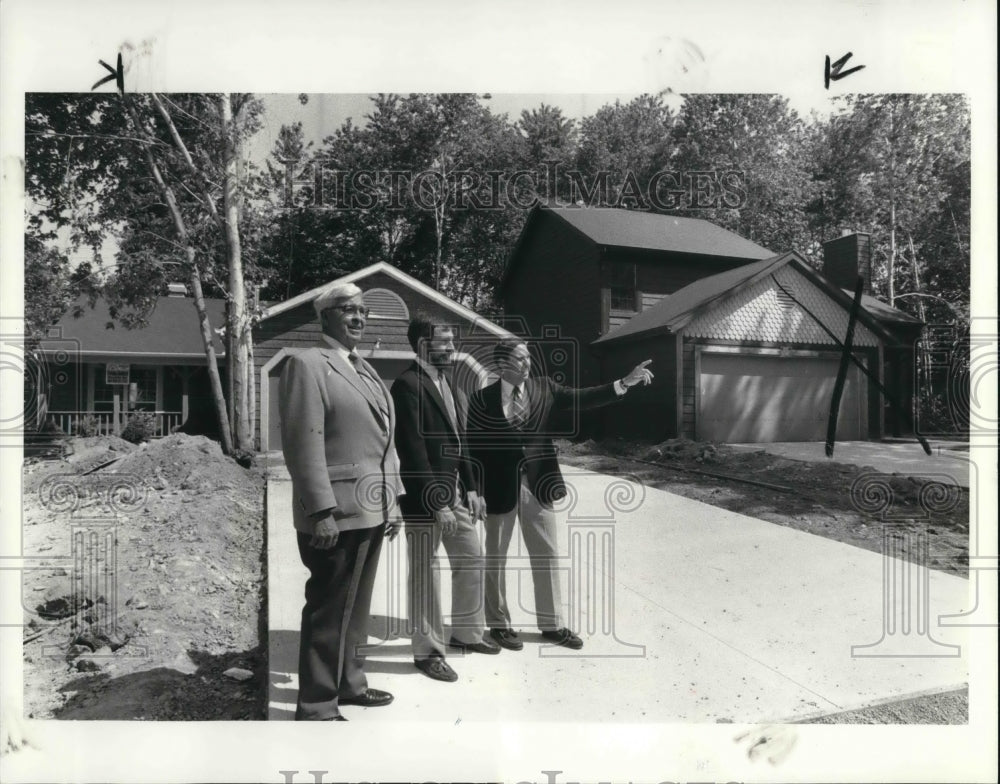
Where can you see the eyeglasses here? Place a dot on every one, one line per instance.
(351, 310)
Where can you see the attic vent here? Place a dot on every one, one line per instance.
(785, 301)
(386, 304)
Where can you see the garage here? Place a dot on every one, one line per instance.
(762, 397)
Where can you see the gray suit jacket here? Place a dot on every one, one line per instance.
(338, 448)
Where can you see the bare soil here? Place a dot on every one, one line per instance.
(816, 498)
(149, 633)
(852, 504)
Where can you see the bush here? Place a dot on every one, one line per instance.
(87, 427)
(938, 414)
(141, 426)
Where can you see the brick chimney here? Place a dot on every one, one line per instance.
(847, 257)
(177, 290)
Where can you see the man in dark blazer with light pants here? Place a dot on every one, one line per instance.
(509, 441)
(442, 503)
(337, 422)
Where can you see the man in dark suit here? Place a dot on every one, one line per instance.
(508, 434)
(442, 503)
(337, 422)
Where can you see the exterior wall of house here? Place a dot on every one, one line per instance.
(764, 317)
(758, 322)
(556, 285)
(647, 413)
(658, 274)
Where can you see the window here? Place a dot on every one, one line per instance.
(623, 287)
(143, 377)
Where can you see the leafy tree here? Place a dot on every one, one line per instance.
(48, 289)
(622, 147)
(898, 166)
(763, 141)
(163, 175)
(550, 145)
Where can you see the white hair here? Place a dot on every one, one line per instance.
(335, 291)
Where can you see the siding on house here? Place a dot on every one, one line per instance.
(647, 413)
(555, 290)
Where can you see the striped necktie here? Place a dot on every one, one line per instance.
(518, 408)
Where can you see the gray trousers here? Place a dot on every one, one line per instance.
(465, 557)
(538, 527)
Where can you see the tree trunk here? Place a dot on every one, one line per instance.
(237, 332)
(925, 350)
(199, 298)
(891, 272)
(892, 207)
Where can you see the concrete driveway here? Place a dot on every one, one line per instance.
(947, 458)
(689, 613)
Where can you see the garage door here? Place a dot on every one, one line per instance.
(760, 398)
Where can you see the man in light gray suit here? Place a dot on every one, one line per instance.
(337, 421)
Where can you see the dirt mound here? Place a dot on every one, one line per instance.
(81, 456)
(684, 449)
(185, 595)
(184, 462)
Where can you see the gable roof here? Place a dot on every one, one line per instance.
(407, 280)
(620, 228)
(172, 329)
(653, 231)
(673, 313)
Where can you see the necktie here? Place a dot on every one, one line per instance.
(518, 408)
(448, 398)
(373, 386)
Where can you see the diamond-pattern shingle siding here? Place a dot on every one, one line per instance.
(764, 313)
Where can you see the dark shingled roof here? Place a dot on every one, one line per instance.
(652, 231)
(172, 329)
(673, 312)
(883, 312)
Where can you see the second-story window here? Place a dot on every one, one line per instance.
(623, 287)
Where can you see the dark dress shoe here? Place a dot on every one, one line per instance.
(370, 698)
(507, 639)
(563, 637)
(437, 669)
(483, 646)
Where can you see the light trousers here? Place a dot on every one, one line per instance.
(465, 556)
(538, 527)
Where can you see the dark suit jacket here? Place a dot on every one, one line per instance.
(430, 450)
(500, 451)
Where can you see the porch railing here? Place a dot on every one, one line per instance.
(69, 421)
